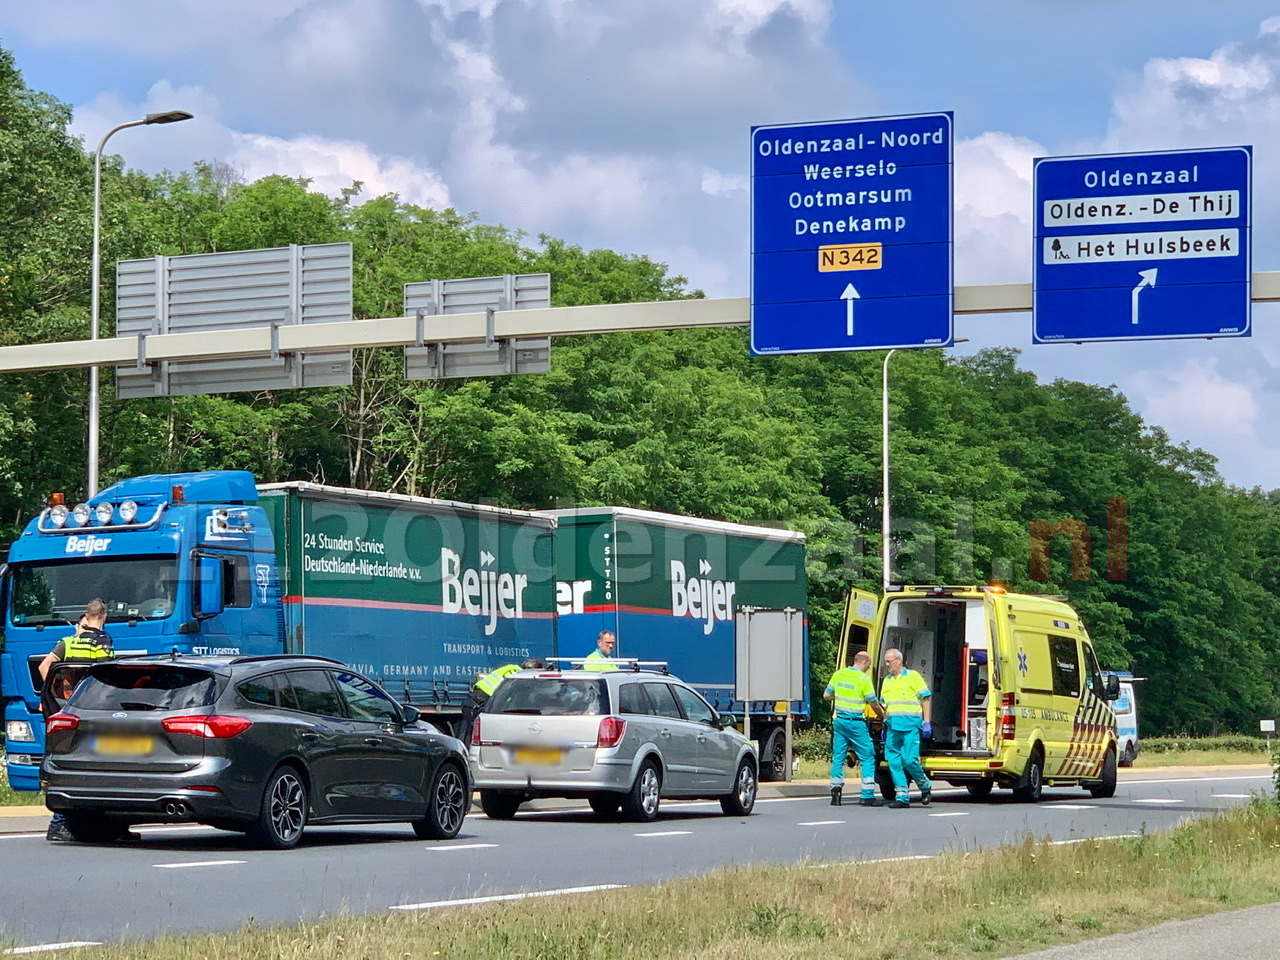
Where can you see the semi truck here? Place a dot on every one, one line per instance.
(698, 597)
(422, 594)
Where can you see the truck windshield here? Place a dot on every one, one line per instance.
(133, 588)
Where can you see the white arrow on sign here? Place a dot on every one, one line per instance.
(486, 558)
(849, 295)
(1148, 280)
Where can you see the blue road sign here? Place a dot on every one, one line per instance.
(851, 235)
(1143, 246)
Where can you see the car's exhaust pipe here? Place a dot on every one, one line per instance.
(175, 808)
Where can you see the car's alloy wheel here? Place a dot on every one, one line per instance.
(446, 805)
(642, 801)
(742, 801)
(284, 811)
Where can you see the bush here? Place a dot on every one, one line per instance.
(1239, 743)
(813, 743)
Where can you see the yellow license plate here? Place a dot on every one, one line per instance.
(119, 745)
(540, 756)
(850, 256)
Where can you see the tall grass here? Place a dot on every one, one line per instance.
(962, 904)
(15, 798)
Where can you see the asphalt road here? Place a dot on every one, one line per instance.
(180, 879)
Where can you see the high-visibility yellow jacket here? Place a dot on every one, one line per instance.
(851, 689)
(489, 682)
(904, 695)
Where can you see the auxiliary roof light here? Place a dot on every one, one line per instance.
(58, 513)
(128, 510)
(80, 513)
(103, 513)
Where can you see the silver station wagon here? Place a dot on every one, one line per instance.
(623, 739)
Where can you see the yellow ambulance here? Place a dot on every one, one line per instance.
(1018, 700)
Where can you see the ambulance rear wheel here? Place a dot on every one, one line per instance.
(1130, 754)
(1106, 786)
(1032, 786)
(884, 780)
(980, 790)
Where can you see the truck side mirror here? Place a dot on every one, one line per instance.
(1111, 687)
(209, 587)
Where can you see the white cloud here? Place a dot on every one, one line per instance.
(1194, 400)
(993, 208)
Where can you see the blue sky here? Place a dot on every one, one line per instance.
(625, 124)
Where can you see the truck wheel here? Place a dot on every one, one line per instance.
(94, 828)
(980, 790)
(642, 800)
(1032, 786)
(499, 805)
(773, 755)
(605, 804)
(1130, 754)
(283, 813)
(884, 779)
(1106, 786)
(446, 805)
(742, 801)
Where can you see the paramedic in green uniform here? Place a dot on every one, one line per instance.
(853, 692)
(905, 696)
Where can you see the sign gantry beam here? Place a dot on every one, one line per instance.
(402, 331)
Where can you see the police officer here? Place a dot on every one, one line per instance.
(907, 710)
(483, 690)
(89, 641)
(853, 693)
(603, 652)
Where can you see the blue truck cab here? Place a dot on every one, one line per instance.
(184, 562)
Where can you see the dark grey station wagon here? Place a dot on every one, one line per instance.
(262, 745)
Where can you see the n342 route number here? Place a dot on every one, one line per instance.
(850, 256)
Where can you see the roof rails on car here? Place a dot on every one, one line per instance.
(254, 658)
(621, 663)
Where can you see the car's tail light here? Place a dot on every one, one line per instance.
(211, 727)
(611, 731)
(475, 732)
(1007, 718)
(61, 721)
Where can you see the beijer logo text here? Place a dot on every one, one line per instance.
(704, 598)
(87, 545)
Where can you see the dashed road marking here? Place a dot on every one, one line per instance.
(461, 846)
(197, 863)
(959, 814)
(1070, 806)
(1155, 800)
(1233, 796)
(818, 823)
(665, 833)
(468, 901)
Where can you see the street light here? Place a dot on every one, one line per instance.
(885, 515)
(168, 116)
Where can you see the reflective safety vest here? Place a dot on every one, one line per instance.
(489, 682)
(851, 689)
(902, 695)
(90, 646)
(588, 665)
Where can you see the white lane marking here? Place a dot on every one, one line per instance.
(196, 863)
(434, 904)
(1232, 796)
(1209, 780)
(1070, 806)
(157, 829)
(817, 823)
(1114, 836)
(1155, 800)
(960, 814)
(42, 947)
(20, 836)
(665, 833)
(861, 863)
(462, 846)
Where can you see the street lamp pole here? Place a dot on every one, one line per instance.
(170, 116)
(885, 522)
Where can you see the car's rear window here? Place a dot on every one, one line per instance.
(150, 687)
(550, 697)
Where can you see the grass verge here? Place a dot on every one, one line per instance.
(957, 906)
